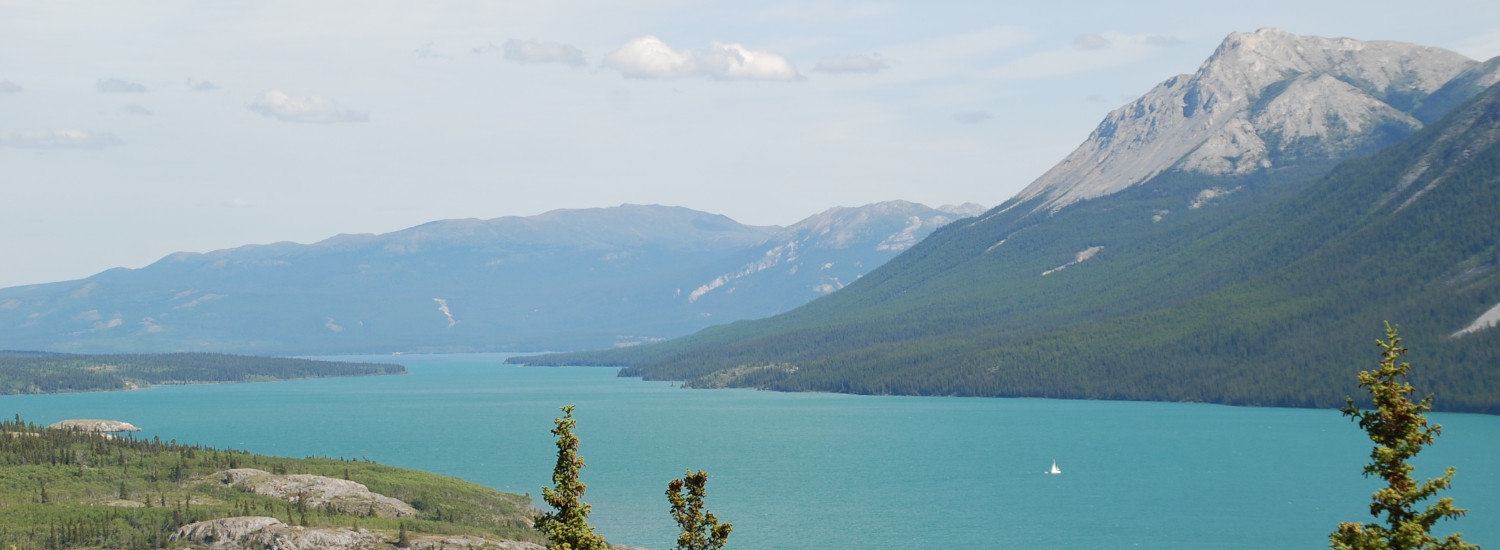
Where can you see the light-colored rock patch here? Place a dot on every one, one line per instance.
(471, 542)
(270, 533)
(94, 425)
(223, 530)
(258, 532)
(1080, 257)
(347, 497)
(1207, 196)
(1486, 320)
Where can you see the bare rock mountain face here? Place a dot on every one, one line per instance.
(1263, 100)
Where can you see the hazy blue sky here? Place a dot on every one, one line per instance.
(130, 130)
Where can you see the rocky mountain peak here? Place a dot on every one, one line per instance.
(1263, 99)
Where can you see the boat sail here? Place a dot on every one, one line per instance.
(1055, 470)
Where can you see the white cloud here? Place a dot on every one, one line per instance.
(201, 85)
(8, 87)
(649, 57)
(57, 139)
(119, 86)
(530, 51)
(850, 64)
(429, 49)
(307, 109)
(136, 109)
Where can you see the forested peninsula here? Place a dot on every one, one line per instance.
(64, 488)
(24, 372)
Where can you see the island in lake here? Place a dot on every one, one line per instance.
(24, 372)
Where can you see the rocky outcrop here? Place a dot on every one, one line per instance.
(94, 425)
(223, 530)
(257, 532)
(472, 543)
(1263, 99)
(342, 495)
(270, 533)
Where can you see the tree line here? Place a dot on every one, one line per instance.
(54, 373)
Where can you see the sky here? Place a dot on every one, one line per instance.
(132, 130)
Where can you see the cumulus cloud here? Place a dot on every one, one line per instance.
(135, 109)
(972, 117)
(201, 85)
(850, 64)
(530, 51)
(8, 87)
(57, 139)
(119, 86)
(305, 108)
(649, 57)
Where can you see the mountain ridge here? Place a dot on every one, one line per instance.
(1217, 121)
(559, 280)
(1248, 289)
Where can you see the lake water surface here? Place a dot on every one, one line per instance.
(822, 471)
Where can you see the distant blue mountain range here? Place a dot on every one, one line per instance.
(567, 279)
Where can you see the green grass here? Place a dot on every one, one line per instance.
(64, 489)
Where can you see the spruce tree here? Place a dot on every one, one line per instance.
(1399, 429)
(567, 526)
(701, 530)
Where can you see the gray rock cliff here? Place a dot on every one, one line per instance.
(1262, 100)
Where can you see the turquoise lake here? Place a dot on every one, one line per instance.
(821, 471)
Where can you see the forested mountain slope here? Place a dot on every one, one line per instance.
(1262, 288)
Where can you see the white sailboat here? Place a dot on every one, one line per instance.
(1055, 470)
